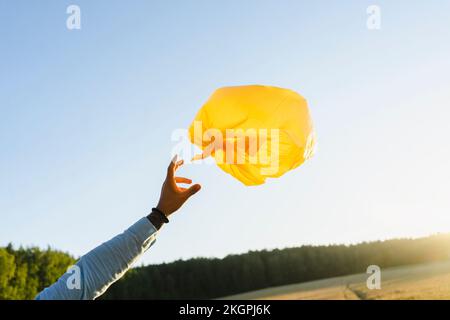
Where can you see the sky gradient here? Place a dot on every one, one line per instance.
(87, 117)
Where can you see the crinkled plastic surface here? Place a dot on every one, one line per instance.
(254, 132)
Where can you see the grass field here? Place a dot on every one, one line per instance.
(426, 281)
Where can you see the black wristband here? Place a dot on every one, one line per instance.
(162, 214)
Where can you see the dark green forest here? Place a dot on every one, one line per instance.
(25, 271)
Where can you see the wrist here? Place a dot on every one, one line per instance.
(155, 220)
(163, 208)
(157, 217)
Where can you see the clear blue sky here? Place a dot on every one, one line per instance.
(87, 116)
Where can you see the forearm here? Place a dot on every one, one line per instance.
(105, 264)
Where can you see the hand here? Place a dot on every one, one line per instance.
(173, 196)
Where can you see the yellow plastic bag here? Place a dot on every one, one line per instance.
(254, 132)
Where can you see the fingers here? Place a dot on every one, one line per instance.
(173, 166)
(178, 164)
(188, 192)
(193, 189)
(183, 180)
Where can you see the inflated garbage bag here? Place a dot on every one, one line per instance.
(254, 132)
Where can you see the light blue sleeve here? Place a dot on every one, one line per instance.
(102, 266)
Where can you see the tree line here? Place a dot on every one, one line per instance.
(203, 278)
(26, 271)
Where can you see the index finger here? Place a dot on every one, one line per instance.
(171, 169)
(178, 164)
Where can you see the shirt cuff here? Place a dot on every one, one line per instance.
(143, 230)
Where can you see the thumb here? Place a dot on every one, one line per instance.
(193, 190)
